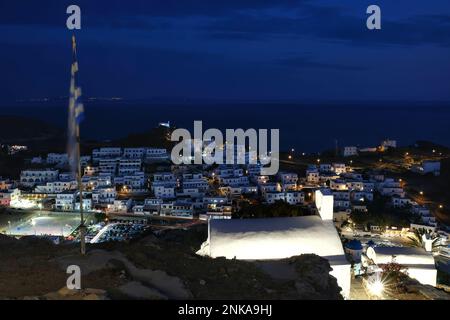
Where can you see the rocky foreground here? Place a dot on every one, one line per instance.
(155, 268)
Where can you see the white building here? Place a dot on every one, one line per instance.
(105, 153)
(177, 209)
(287, 177)
(56, 187)
(350, 151)
(312, 175)
(419, 263)
(324, 203)
(163, 192)
(389, 143)
(235, 181)
(339, 168)
(134, 153)
(156, 154)
(129, 166)
(38, 176)
(196, 181)
(278, 238)
(399, 202)
(108, 165)
(57, 158)
(104, 195)
(269, 187)
(338, 185)
(291, 197)
(119, 206)
(65, 201)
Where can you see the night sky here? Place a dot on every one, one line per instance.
(235, 49)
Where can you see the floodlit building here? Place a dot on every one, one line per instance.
(419, 263)
(324, 203)
(278, 238)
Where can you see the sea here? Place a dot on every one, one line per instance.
(305, 127)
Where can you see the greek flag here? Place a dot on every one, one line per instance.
(75, 92)
(76, 113)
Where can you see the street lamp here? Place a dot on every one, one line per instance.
(441, 206)
(421, 193)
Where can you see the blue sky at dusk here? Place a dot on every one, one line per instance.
(236, 49)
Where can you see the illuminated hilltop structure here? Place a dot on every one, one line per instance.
(279, 238)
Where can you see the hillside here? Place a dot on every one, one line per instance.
(17, 129)
(154, 267)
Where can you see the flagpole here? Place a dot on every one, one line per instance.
(80, 184)
(80, 187)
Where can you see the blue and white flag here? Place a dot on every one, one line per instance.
(76, 113)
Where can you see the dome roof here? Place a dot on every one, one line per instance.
(354, 245)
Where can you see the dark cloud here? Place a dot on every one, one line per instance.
(334, 23)
(112, 12)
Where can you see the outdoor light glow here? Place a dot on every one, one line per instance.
(376, 288)
(290, 157)
(421, 193)
(441, 206)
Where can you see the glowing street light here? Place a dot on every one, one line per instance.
(318, 160)
(375, 286)
(421, 193)
(441, 206)
(290, 157)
